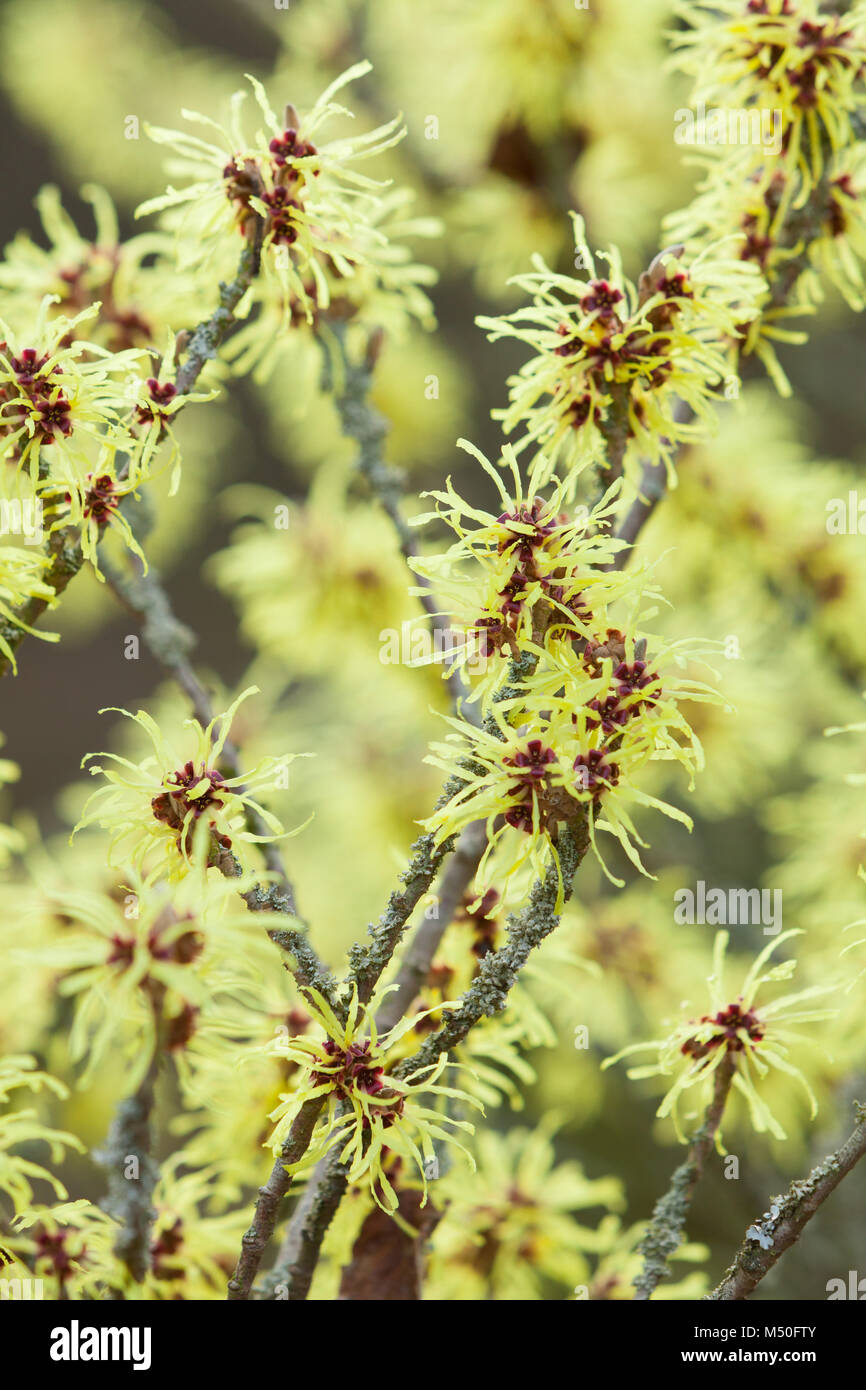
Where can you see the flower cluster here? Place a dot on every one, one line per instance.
(60, 395)
(22, 578)
(371, 1116)
(754, 1034)
(795, 200)
(532, 573)
(614, 363)
(323, 229)
(133, 285)
(70, 1246)
(587, 706)
(787, 56)
(79, 430)
(514, 1222)
(174, 809)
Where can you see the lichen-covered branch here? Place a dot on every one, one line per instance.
(130, 1193)
(665, 1232)
(488, 993)
(367, 963)
(360, 421)
(206, 339)
(309, 1226)
(757, 1255)
(256, 1238)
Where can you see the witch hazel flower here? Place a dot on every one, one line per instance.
(570, 748)
(371, 1116)
(316, 217)
(614, 363)
(70, 1245)
(191, 946)
(22, 577)
(155, 408)
(791, 57)
(59, 398)
(23, 1129)
(175, 809)
(751, 1032)
(91, 501)
(133, 283)
(529, 575)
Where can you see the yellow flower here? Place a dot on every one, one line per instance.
(176, 808)
(137, 292)
(72, 1246)
(23, 1128)
(571, 745)
(158, 968)
(370, 1114)
(90, 502)
(59, 397)
(744, 1029)
(789, 56)
(21, 579)
(528, 574)
(612, 360)
(512, 1224)
(320, 222)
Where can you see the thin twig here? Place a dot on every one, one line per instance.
(665, 1232)
(270, 1196)
(488, 993)
(415, 966)
(359, 420)
(788, 1216)
(130, 1196)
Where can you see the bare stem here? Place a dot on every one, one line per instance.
(756, 1257)
(130, 1196)
(665, 1232)
(270, 1196)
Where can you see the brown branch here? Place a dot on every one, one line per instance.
(270, 1196)
(788, 1217)
(361, 422)
(665, 1232)
(415, 966)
